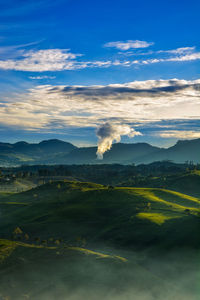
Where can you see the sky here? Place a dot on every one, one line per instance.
(69, 68)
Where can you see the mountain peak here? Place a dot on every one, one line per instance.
(21, 143)
(53, 141)
(55, 145)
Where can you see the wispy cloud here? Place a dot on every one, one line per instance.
(182, 50)
(180, 58)
(187, 57)
(185, 134)
(46, 60)
(19, 59)
(136, 53)
(177, 51)
(176, 55)
(41, 60)
(130, 44)
(42, 77)
(15, 51)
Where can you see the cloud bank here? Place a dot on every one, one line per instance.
(164, 108)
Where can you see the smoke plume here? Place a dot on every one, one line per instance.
(107, 133)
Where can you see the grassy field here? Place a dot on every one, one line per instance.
(187, 182)
(65, 232)
(122, 216)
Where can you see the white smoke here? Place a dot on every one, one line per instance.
(107, 133)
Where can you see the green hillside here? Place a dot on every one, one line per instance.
(133, 217)
(188, 182)
(17, 185)
(73, 240)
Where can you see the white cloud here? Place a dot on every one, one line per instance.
(41, 60)
(63, 59)
(180, 58)
(182, 50)
(15, 50)
(179, 55)
(135, 53)
(178, 51)
(185, 134)
(42, 77)
(130, 44)
(187, 57)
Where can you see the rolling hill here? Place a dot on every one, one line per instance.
(126, 217)
(73, 240)
(187, 182)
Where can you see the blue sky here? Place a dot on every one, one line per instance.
(129, 50)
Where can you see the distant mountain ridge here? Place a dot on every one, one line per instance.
(59, 152)
(23, 152)
(50, 145)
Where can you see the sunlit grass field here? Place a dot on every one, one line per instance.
(96, 212)
(92, 234)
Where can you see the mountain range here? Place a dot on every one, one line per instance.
(59, 152)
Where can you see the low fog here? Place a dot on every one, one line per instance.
(72, 276)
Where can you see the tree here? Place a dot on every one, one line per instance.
(17, 230)
(187, 211)
(26, 236)
(17, 233)
(37, 240)
(110, 187)
(148, 205)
